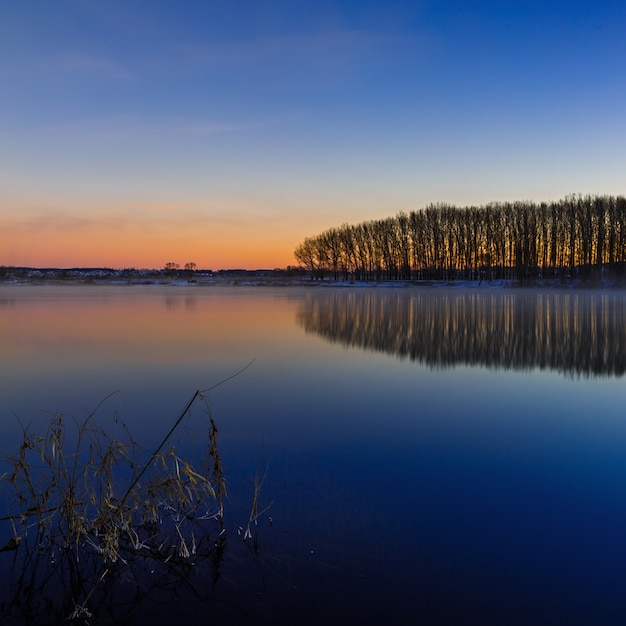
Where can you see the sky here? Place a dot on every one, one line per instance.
(140, 132)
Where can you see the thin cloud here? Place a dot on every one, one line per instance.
(81, 63)
(207, 129)
(323, 55)
(131, 127)
(45, 222)
(147, 218)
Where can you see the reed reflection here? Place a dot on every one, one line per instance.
(574, 333)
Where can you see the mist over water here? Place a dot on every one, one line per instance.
(434, 455)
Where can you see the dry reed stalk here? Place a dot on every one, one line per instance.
(86, 502)
(255, 513)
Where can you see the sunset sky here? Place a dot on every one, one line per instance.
(135, 133)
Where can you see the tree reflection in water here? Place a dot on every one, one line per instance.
(576, 333)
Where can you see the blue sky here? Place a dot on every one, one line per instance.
(135, 133)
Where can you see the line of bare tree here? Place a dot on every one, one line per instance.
(578, 236)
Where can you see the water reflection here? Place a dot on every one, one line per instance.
(173, 303)
(574, 333)
(40, 588)
(509, 487)
(99, 527)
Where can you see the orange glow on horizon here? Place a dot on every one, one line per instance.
(148, 243)
(149, 254)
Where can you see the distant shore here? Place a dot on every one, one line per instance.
(269, 281)
(290, 276)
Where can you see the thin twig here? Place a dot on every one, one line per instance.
(241, 371)
(156, 452)
(175, 426)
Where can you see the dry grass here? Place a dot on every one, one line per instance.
(75, 486)
(87, 509)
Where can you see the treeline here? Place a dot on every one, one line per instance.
(578, 236)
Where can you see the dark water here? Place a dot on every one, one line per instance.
(434, 456)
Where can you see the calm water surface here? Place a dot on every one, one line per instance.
(434, 456)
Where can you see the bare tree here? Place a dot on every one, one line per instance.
(171, 268)
(576, 235)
